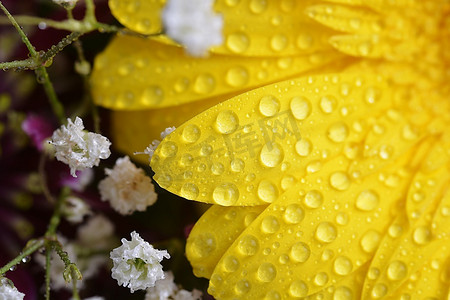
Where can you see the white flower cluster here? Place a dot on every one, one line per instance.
(127, 188)
(8, 291)
(193, 24)
(136, 264)
(150, 150)
(167, 289)
(78, 148)
(75, 209)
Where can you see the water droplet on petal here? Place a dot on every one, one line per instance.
(328, 104)
(343, 265)
(191, 133)
(397, 270)
(237, 42)
(230, 263)
(237, 76)
(321, 279)
(189, 191)
(248, 245)
(242, 287)
(267, 191)
(326, 232)
(298, 289)
(227, 122)
(370, 241)
(266, 272)
(313, 199)
(204, 84)
(379, 291)
(237, 165)
(226, 194)
(293, 214)
(270, 224)
(152, 95)
(271, 155)
(340, 181)
(303, 147)
(422, 235)
(300, 252)
(367, 200)
(269, 105)
(338, 132)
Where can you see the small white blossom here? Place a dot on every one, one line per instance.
(186, 295)
(137, 263)
(163, 288)
(97, 233)
(150, 150)
(8, 291)
(78, 148)
(75, 209)
(127, 188)
(193, 24)
(167, 131)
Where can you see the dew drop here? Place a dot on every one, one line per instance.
(397, 270)
(217, 168)
(227, 122)
(342, 218)
(152, 95)
(269, 105)
(287, 182)
(304, 41)
(342, 293)
(242, 287)
(226, 194)
(237, 76)
(278, 42)
(271, 155)
(270, 224)
(191, 133)
(206, 150)
(258, 6)
(321, 279)
(340, 181)
(367, 200)
(181, 85)
(343, 265)
(373, 273)
(248, 245)
(372, 95)
(204, 84)
(300, 252)
(338, 132)
(370, 241)
(237, 165)
(422, 235)
(230, 263)
(326, 232)
(395, 230)
(237, 42)
(298, 289)
(300, 107)
(267, 191)
(272, 295)
(313, 199)
(189, 191)
(168, 149)
(202, 245)
(379, 291)
(328, 104)
(266, 272)
(303, 147)
(293, 214)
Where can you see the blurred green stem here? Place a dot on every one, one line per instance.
(31, 247)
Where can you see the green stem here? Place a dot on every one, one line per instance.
(18, 64)
(56, 217)
(48, 256)
(57, 107)
(27, 251)
(90, 12)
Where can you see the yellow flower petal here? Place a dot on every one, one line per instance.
(214, 232)
(314, 235)
(272, 28)
(248, 150)
(134, 73)
(133, 131)
(140, 16)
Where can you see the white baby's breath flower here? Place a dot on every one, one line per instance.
(163, 289)
(75, 209)
(78, 148)
(186, 295)
(150, 150)
(193, 24)
(97, 233)
(137, 263)
(127, 188)
(8, 291)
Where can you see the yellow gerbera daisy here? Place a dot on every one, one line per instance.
(328, 167)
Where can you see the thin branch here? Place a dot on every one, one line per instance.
(29, 249)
